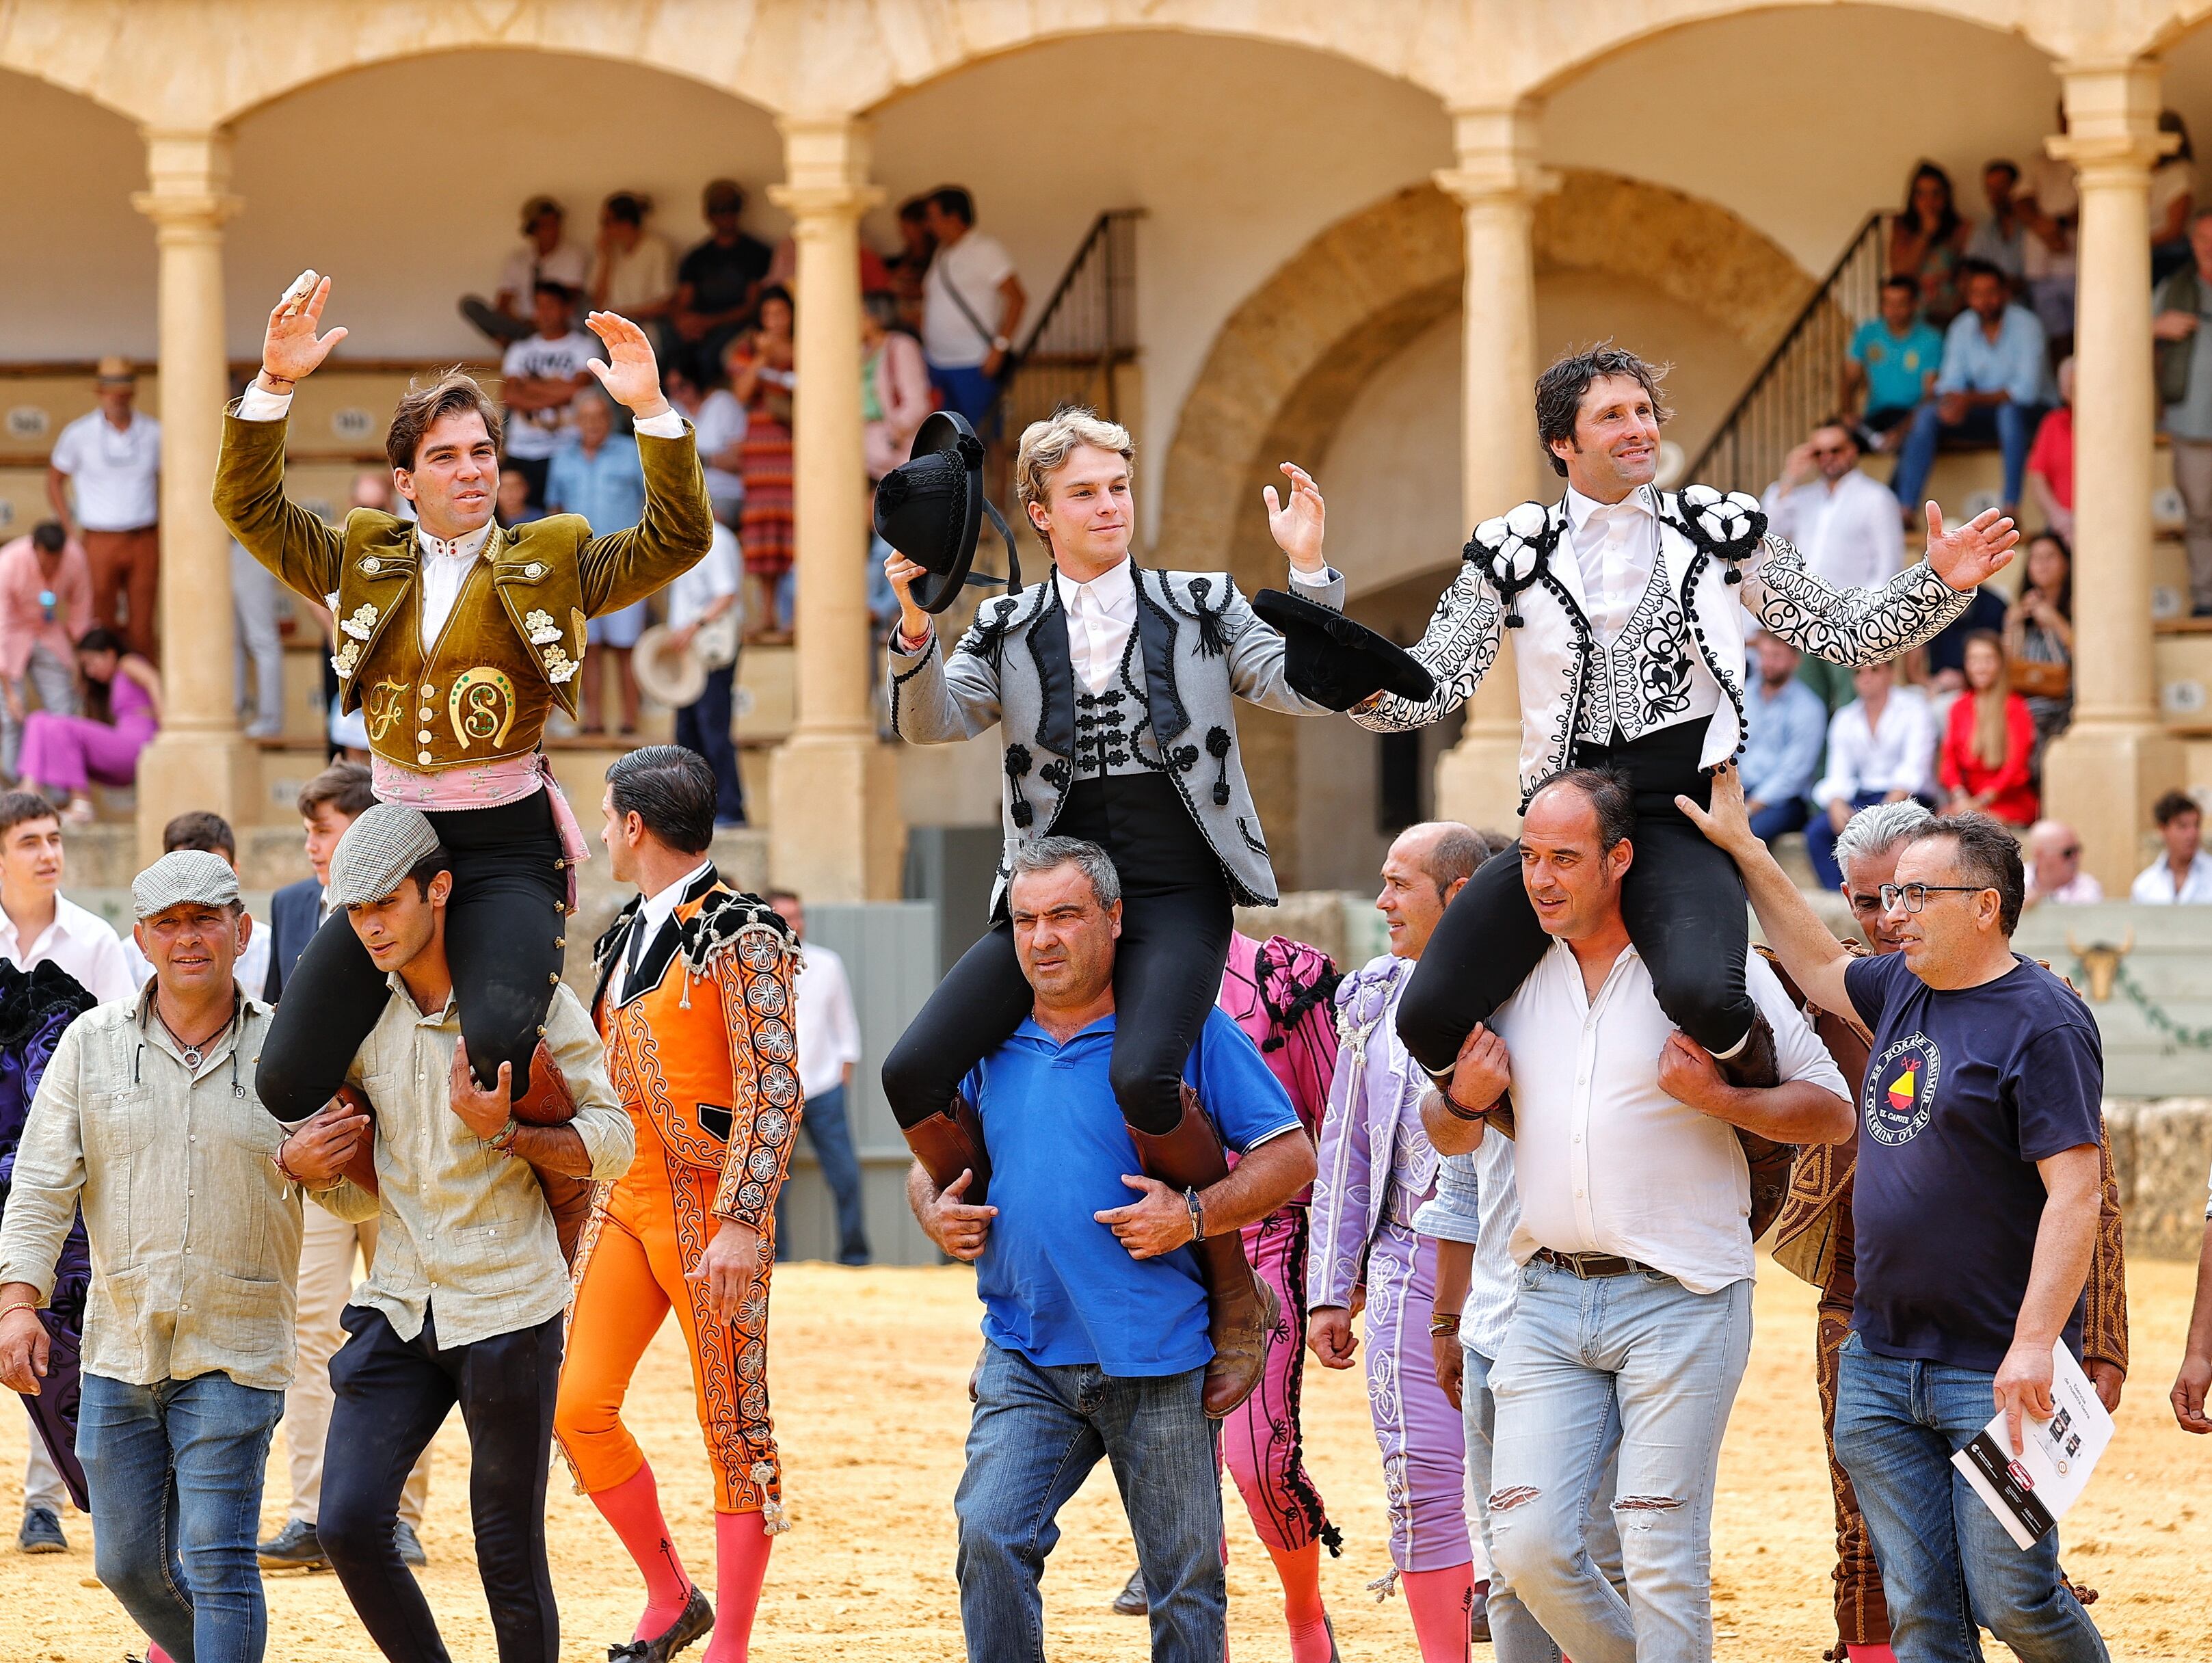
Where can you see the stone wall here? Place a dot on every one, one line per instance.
(2161, 1150)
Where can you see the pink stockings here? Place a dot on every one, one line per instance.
(741, 1549)
(1441, 1602)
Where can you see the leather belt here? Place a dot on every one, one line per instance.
(1592, 1266)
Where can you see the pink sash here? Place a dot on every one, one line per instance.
(488, 786)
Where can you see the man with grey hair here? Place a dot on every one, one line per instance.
(1094, 1307)
(146, 1118)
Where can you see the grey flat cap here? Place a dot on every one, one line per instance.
(377, 851)
(184, 878)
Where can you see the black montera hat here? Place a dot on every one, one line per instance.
(1335, 662)
(930, 509)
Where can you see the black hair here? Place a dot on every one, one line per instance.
(1947, 226)
(775, 292)
(548, 286)
(952, 200)
(1969, 270)
(19, 808)
(2065, 598)
(2004, 165)
(626, 206)
(1611, 797)
(671, 790)
(99, 697)
(438, 860)
(1987, 856)
(1899, 280)
(1559, 390)
(50, 537)
(2173, 805)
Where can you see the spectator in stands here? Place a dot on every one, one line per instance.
(197, 828)
(2183, 359)
(829, 1051)
(2001, 240)
(894, 386)
(46, 604)
(1927, 241)
(543, 256)
(1891, 368)
(2183, 874)
(597, 473)
(911, 263)
(328, 804)
(762, 376)
(1784, 725)
(633, 270)
(539, 380)
(717, 285)
(1991, 388)
(2054, 867)
(513, 505)
(64, 755)
(783, 266)
(2039, 636)
(2172, 193)
(706, 593)
(2051, 204)
(109, 461)
(972, 306)
(1945, 655)
(256, 640)
(1844, 522)
(1880, 747)
(2051, 458)
(1987, 760)
(720, 423)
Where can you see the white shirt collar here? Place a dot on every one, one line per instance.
(1113, 592)
(656, 906)
(1582, 509)
(465, 548)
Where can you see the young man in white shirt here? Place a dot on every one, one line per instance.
(706, 594)
(1629, 1174)
(971, 305)
(110, 460)
(1881, 749)
(2181, 876)
(539, 380)
(829, 1051)
(1844, 522)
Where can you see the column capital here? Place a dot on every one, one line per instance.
(826, 161)
(1497, 150)
(2111, 118)
(188, 176)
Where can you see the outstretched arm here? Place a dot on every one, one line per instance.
(1457, 648)
(678, 526)
(249, 482)
(1873, 626)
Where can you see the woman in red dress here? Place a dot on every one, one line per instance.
(761, 375)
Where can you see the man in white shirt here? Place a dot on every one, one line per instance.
(721, 425)
(539, 380)
(1881, 749)
(1844, 523)
(1630, 1174)
(2183, 874)
(829, 1050)
(971, 305)
(2054, 867)
(544, 255)
(110, 461)
(706, 594)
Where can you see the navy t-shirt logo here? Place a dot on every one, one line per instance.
(1901, 1089)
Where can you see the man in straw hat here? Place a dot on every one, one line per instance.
(146, 1118)
(465, 1303)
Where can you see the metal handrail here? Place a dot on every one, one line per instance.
(1085, 328)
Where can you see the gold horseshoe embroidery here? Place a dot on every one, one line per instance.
(481, 706)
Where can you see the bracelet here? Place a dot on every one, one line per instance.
(268, 375)
(1453, 1107)
(1440, 1324)
(503, 1139)
(8, 1311)
(1197, 1214)
(278, 1161)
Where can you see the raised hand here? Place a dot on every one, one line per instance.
(1296, 525)
(629, 372)
(1970, 556)
(290, 350)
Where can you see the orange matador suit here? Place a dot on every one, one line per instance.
(702, 1052)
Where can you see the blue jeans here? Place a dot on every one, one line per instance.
(966, 389)
(1643, 1359)
(175, 1471)
(704, 726)
(1947, 1564)
(831, 1134)
(2011, 427)
(1036, 1435)
(1780, 819)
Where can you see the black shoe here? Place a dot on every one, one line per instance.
(697, 1618)
(41, 1532)
(295, 1547)
(411, 1545)
(1131, 1601)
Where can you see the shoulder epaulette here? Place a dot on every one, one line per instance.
(1725, 526)
(1514, 549)
(733, 920)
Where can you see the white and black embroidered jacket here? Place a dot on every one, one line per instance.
(1680, 656)
(1197, 648)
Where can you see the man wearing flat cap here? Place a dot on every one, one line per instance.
(146, 1118)
(465, 1303)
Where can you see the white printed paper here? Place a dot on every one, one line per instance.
(2029, 1492)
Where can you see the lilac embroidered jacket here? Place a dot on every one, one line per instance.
(1372, 1107)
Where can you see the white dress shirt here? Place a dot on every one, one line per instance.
(1606, 1162)
(691, 592)
(1616, 545)
(83, 944)
(1849, 533)
(1487, 1312)
(654, 913)
(1102, 613)
(2155, 886)
(1897, 753)
(829, 1029)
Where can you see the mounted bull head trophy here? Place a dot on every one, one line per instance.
(2102, 961)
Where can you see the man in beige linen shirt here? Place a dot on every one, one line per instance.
(146, 1118)
(465, 1303)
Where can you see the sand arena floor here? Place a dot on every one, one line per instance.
(867, 1370)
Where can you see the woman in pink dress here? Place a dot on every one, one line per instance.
(64, 755)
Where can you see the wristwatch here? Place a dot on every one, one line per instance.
(1001, 343)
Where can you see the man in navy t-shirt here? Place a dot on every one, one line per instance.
(1095, 1314)
(1976, 1215)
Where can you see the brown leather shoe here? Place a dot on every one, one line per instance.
(1240, 1307)
(548, 1102)
(950, 1143)
(1757, 1067)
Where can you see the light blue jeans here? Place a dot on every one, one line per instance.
(175, 1471)
(1518, 1636)
(1947, 1564)
(1036, 1435)
(1638, 1357)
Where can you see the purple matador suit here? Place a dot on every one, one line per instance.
(1377, 1169)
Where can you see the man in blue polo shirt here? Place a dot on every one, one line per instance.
(1094, 1314)
(1976, 1209)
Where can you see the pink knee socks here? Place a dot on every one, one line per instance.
(1299, 1569)
(1870, 1653)
(1440, 1601)
(632, 1508)
(741, 1549)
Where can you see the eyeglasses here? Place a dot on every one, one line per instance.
(1818, 451)
(1915, 896)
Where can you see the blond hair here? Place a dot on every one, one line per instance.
(1047, 445)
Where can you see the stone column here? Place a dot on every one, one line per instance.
(2103, 775)
(1496, 183)
(835, 833)
(200, 760)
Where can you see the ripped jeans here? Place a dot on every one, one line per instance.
(1643, 1354)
